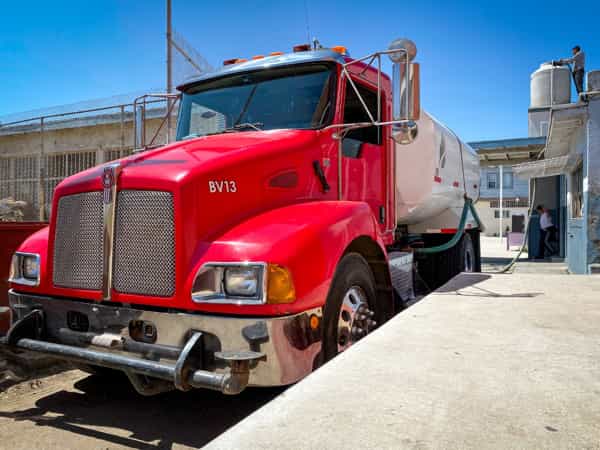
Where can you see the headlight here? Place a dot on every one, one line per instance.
(31, 267)
(243, 283)
(25, 269)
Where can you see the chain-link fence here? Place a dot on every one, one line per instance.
(37, 153)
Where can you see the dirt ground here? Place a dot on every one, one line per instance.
(74, 410)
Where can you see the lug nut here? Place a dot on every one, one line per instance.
(357, 331)
(371, 323)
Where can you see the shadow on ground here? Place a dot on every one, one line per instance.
(187, 418)
(465, 284)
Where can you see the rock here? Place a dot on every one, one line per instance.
(11, 210)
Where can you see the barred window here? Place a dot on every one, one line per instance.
(510, 203)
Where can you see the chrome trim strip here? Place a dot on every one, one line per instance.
(110, 177)
(20, 279)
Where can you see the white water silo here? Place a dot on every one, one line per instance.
(550, 85)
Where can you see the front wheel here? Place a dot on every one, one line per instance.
(350, 311)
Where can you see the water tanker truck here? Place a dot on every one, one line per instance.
(305, 200)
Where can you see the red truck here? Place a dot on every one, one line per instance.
(304, 202)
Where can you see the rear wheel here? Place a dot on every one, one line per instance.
(350, 311)
(467, 255)
(438, 268)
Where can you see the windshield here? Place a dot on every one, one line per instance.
(297, 96)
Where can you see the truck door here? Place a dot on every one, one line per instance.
(363, 156)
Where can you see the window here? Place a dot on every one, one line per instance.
(510, 203)
(507, 180)
(355, 112)
(505, 214)
(492, 180)
(577, 193)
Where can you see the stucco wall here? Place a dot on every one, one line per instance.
(492, 224)
(519, 189)
(592, 198)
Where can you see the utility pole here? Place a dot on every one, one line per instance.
(501, 210)
(169, 69)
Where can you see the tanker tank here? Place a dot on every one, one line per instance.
(432, 175)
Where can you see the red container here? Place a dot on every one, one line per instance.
(11, 236)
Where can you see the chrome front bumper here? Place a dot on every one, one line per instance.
(185, 349)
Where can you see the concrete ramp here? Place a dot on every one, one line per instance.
(487, 361)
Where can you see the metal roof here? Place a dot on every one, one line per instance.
(509, 150)
(287, 59)
(548, 167)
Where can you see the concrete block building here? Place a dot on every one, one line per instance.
(566, 179)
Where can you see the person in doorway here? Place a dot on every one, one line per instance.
(547, 232)
(578, 61)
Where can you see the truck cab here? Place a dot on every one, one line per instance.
(257, 246)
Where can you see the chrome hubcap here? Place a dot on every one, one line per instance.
(356, 319)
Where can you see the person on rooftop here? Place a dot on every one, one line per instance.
(578, 61)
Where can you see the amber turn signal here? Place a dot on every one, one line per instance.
(280, 287)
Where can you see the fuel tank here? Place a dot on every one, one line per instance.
(432, 175)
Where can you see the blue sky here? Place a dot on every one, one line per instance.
(476, 57)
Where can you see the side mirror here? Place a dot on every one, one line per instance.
(406, 91)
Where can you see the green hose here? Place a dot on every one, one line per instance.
(452, 242)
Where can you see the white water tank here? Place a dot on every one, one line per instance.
(431, 175)
(550, 86)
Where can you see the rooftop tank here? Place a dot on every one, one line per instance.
(550, 85)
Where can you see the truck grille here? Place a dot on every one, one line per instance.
(144, 249)
(78, 253)
(144, 243)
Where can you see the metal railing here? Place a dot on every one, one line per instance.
(39, 152)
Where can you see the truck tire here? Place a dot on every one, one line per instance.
(437, 269)
(467, 257)
(475, 237)
(350, 311)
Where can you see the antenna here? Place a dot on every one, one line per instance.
(306, 19)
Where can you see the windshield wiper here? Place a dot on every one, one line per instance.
(244, 126)
(239, 127)
(190, 136)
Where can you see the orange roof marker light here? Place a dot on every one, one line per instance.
(301, 48)
(275, 53)
(231, 61)
(340, 49)
(258, 57)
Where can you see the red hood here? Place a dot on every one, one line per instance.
(178, 162)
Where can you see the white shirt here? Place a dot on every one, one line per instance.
(545, 221)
